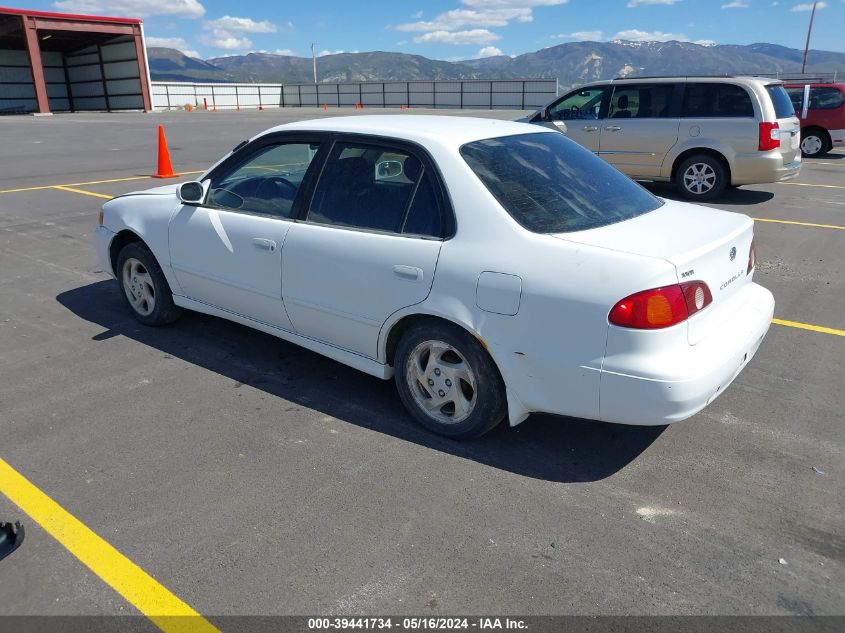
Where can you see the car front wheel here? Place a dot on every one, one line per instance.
(448, 382)
(701, 177)
(144, 286)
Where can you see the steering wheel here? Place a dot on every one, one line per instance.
(281, 186)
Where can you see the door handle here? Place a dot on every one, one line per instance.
(612, 128)
(590, 128)
(262, 243)
(409, 273)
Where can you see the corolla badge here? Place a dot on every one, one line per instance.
(733, 253)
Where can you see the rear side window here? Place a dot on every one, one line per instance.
(710, 100)
(784, 108)
(796, 95)
(825, 98)
(550, 184)
(378, 188)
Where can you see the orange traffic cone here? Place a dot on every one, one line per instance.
(165, 169)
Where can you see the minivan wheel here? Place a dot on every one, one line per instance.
(144, 286)
(448, 382)
(814, 143)
(701, 177)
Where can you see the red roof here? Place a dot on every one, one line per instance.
(72, 17)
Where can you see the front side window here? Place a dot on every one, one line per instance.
(712, 100)
(641, 102)
(550, 184)
(583, 104)
(265, 182)
(378, 188)
(825, 98)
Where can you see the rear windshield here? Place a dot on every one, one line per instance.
(784, 107)
(551, 185)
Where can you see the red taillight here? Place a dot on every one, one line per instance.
(769, 136)
(752, 258)
(661, 307)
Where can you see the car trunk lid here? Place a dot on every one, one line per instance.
(702, 244)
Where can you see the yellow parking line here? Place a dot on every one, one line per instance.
(818, 226)
(140, 589)
(90, 182)
(85, 193)
(807, 326)
(807, 184)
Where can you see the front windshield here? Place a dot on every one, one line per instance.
(550, 184)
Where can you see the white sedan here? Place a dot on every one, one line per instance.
(492, 268)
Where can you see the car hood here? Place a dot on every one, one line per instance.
(164, 190)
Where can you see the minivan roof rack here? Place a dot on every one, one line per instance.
(684, 77)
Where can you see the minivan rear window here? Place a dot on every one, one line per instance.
(549, 184)
(784, 107)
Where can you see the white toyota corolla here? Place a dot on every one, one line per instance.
(493, 268)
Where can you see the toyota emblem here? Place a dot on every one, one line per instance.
(733, 253)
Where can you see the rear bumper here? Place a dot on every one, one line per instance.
(751, 169)
(102, 242)
(688, 377)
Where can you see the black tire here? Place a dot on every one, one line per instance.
(819, 148)
(714, 178)
(163, 310)
(489, 401)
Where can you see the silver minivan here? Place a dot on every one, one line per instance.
(702, 133)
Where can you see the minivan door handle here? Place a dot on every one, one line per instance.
(262, 243)
(612, 128)
(409, 273)
(590, 128)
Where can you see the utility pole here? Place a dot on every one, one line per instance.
(807, 45)
(314, 61)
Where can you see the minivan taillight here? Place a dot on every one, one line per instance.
(769, 136)
(752, 258)
(661, 307)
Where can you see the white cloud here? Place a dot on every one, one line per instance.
(633, 4)
(705, 42)
(488, 51)
(417, 15)
(284, 51)
(327, 52)
(172, 42)
(242, 25)
(808, 6)
(473, 36)
(580, 36)
(480, 13)
(223, 39)
(735, 4)
(635, 35)
(134, 8)
(228, 32)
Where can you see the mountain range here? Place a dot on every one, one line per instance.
(571, 63)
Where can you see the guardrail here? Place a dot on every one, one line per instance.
(516, 94)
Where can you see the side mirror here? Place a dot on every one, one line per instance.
(191, 193)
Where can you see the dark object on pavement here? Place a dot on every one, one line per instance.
(11, 538)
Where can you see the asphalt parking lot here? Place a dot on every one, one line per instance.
(248, 476)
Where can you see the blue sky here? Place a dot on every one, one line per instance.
(460, 29)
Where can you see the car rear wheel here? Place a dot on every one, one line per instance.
(701, 177)
(448, 382)
(145, 288)
(814, 143)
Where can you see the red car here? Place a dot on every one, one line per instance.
(821, 108)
